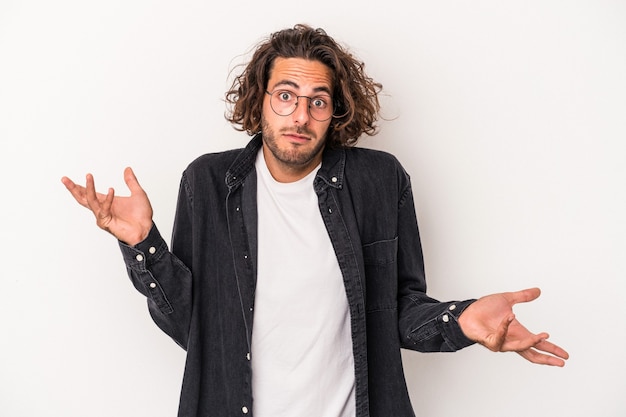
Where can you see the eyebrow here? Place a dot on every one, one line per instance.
(321, 89)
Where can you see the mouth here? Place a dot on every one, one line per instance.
(296, 137)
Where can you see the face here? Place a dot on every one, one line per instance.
(293, 144)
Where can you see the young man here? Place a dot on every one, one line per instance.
(295, 273)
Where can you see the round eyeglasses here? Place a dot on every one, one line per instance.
(284, 103)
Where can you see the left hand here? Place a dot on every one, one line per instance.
(491, 322)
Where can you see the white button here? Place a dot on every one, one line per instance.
(139, 257)
(152, 285)
(152, 250)
(452, 307)
(445, 318)
(334, 179)
(248, 356)
(244, 409)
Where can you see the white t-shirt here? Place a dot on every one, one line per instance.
(302, 361)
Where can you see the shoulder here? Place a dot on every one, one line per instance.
(370, 172)
(214, 160)
(373, 161)
(211, 165)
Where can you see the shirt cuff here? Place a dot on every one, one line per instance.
(146, 252)
(448, 322)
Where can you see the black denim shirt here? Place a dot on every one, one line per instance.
(201, 293)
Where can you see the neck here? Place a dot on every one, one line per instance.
(286, 171)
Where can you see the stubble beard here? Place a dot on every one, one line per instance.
(294, 157)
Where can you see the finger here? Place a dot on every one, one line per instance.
(501, 332)
(529, 342)
(552, 349)
(131, 181)
(523, 296)
(69, 184)
(90, 194)
(105, 207)
(77, 191)
(541, 359)
(103, 210)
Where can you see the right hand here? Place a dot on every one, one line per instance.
(129, 219)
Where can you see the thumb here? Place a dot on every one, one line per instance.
(131, 181)
(524, 296)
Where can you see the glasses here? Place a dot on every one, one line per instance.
(284, 103)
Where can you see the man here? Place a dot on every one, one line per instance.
(295, 273)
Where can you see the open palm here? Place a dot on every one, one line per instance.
(129, 219)
(491, 322)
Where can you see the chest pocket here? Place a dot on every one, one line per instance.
(380, 259)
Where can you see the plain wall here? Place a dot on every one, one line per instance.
(510, 117)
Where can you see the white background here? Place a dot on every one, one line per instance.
(510, 117)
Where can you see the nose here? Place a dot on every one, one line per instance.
(301, 113)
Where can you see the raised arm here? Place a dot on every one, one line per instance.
(154, 271)
(129, 219)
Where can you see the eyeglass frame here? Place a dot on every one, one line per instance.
(271, 94)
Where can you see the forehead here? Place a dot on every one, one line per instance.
(300, 73)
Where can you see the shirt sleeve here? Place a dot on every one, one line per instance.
(164, 280)
(431, 325)
(425, 324)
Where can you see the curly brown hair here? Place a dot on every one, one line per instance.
(355, 95)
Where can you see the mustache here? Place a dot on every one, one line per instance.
(300, 130)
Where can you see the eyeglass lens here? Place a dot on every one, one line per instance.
(284, 103)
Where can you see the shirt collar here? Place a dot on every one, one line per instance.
(331, 173)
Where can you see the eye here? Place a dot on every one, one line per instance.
(285, 95)
(320, 102)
